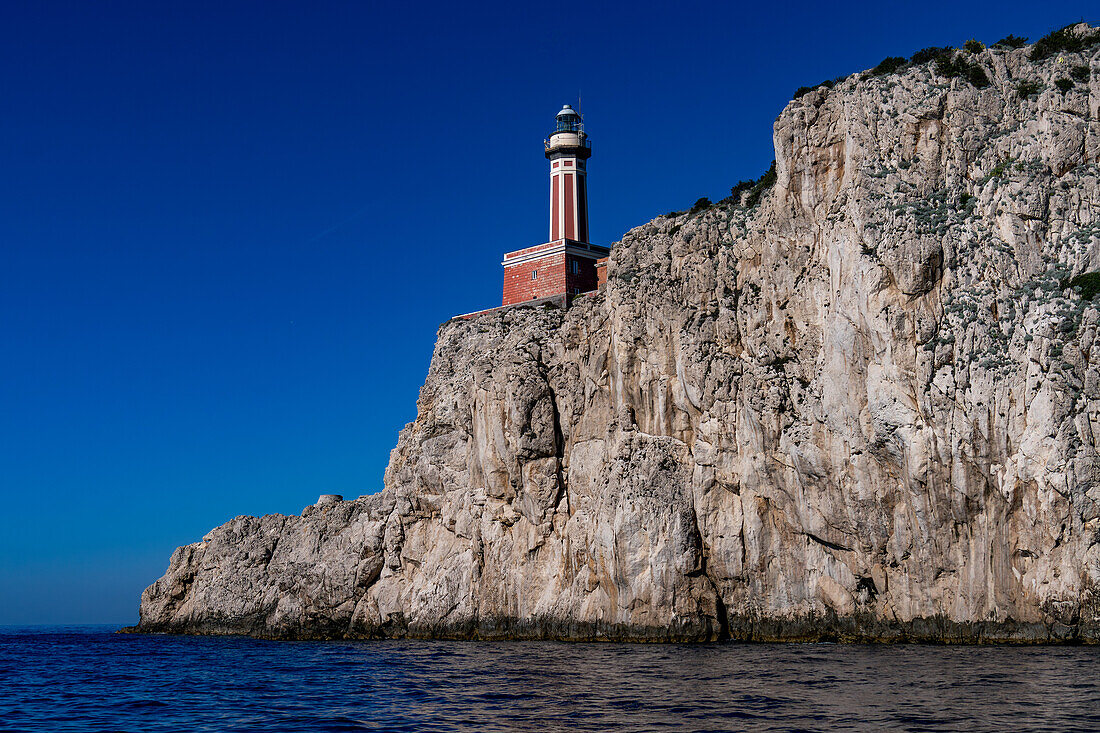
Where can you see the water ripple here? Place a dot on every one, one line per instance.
(86, 678)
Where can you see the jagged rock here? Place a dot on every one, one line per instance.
(865, 408)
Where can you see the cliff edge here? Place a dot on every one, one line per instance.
(860, 404)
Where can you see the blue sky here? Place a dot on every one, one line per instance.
(230, 230)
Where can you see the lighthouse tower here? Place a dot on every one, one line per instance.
(565, 266)
(567, 149)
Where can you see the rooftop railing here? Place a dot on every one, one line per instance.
(584, 143)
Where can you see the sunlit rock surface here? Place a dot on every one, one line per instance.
(865, 407)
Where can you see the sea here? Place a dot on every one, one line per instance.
(88, 678)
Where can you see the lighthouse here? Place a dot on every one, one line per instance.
(568, 149)
(564, 266)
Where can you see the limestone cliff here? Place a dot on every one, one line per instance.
(863, 406)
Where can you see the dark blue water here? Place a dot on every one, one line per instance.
(88, 679)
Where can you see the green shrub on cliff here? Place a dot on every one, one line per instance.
(954, 65)
(1062, 40)
(931, 53)
(700, 205)
(828, 84)
(751, 190)
(888, 65)
(739, 188)
(1064, 84)
(950, 63)
(1011, 41)
(765, 182)
(1028, 88)
(976, 75)
(1089, 283)
(802, 91)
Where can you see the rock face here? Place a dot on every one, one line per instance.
(865, 407)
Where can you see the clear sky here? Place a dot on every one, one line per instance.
(229, 230)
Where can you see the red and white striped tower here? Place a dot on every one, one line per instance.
(564, 267)
(567, 149)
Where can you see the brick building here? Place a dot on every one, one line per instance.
(565, 265)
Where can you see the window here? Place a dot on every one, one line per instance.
(576, 267)
(576, 291)
(534, 274)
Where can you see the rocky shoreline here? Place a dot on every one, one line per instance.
(810, 629)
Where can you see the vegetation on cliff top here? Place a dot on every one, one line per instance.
(1011, 41)
(1063, 40)
(951, 62)
(754, 189)
(743, 193)
(948, 62)
(700, 205)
